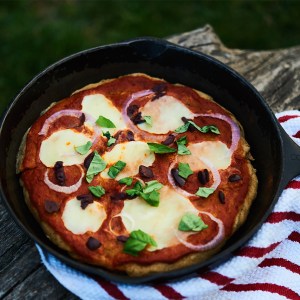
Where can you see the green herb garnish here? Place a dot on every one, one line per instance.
(110, 140)
(181, 148)
(104, 122)
(126, 180)
(97, 191)
(204, 192)
(191, 222)
(184, 170)
(151, 186)
(183, 128)
(116, 169)
(151, 198)
(97, 165)
(138, 241)
(136, 190)
(149, 192)
(210, 128)
(84, 149)
(204, 129)
(160, 148)
(148, 120)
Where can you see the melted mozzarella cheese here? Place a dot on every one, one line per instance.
(98, 105)
(79, 220)
(60, 147)
(133, 153)
(217, 153)
(166, 113)
(159, 222)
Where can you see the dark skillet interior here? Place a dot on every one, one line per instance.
(174, 64)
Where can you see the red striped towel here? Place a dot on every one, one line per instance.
(267, 267)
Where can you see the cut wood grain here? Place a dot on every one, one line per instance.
(39, 285)
(275, 74)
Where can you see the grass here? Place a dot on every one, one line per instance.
(35, 34)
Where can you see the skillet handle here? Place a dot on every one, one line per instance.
(291, 157)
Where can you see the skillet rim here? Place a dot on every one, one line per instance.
(217, 258)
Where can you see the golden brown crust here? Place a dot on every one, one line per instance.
(28, 164)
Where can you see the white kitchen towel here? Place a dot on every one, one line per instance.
(267, 267)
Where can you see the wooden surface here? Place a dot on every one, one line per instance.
(276, 75)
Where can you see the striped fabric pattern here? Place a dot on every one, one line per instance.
(267, 267)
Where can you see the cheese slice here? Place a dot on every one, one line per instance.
(217, 153)
(60, 147)
(166, 113)
(79, 220)
(134, 154)
(98, 105)
(159, 222)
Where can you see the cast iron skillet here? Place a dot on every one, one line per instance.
(277, 157)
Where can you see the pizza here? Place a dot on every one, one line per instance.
(137, 175)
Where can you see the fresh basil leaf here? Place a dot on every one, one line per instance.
(137, 241)
(143, 236)
(148, 120)
(97, 165)
(151, 198)
(97, 191)
(110, 140)
(206, 128)
(191, 222)
(136, 190)
(160, 148)
(104, 122)
(214, 129)
(107, 134)
(84, 149)
(182, 140)
(148, 192)
(184, 170)
(133, 246)
(204, 192)
(151, 186)
(138, 186)
(116, 169)
(126, 180)
(89, 178)
(210, 128)
(195, 125)
(132, 192)
(183, 150)
(183, 128)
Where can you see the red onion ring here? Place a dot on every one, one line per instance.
(235, 130)
(149, 136)
(63, 189)
(57, 115)
(71, 113)
(121, 215)
(97, 130)
(215, 173)
(172, 182)
(182, 236)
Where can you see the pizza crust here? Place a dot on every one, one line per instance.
(136, 268)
